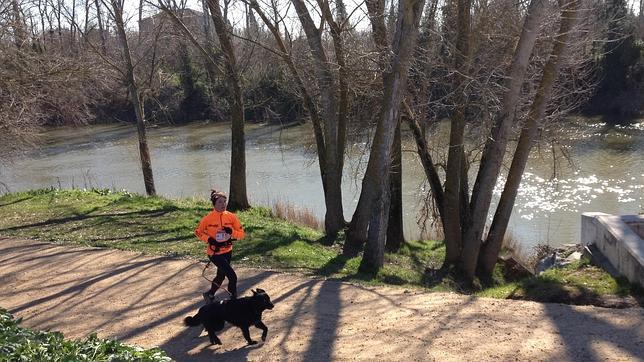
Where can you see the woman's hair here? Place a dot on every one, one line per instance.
(214, 195)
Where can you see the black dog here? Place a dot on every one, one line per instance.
(242, 312)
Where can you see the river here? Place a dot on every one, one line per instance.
(603, 171)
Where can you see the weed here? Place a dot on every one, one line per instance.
(302, 216)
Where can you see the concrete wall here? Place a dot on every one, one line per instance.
(636, 223)
(617, 237)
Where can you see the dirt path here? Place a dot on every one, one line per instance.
(142, 300)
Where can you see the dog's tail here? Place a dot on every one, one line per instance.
(192, 321)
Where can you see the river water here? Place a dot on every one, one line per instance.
(603, 171)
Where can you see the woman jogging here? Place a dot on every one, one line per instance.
(218, 230)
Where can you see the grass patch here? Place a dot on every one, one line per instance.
(160, 226)
(577, 283)
(155, 225)
(22, 344)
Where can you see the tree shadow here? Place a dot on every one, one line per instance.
(333, 266)
(26, 248)
(327, 308)
(328, 240)
(554, 291)
(16, 201)
(78, 288)
(191, 345)
(277, 239)
(450, 278)
(433, 277)
(87, 216)
(580, 343)
(417, 250)
(74, 293)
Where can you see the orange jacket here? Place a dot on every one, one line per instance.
(214, 222)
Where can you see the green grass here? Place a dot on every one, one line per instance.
(23, 344)
(576, 283)
(160, 226)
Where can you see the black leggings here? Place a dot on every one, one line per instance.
(224, 270)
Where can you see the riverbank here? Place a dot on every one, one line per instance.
(160, 226)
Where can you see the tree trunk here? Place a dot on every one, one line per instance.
(494, 240)
(42, 11)
(86, 23)
(395, 233)
(209, 47)
(59, 14)
(452, 225)
(140, 18)
(237, 199)
(356, 234)
(309, 103)
(19, 32)
(72, 31)
(146, 163)
(380, 159)
(496, 144)
(428, 164)
(419, 93)
(334, 218)
(374, 253)
(101, 30)
(343, 76)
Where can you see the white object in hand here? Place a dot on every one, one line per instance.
(221, 236)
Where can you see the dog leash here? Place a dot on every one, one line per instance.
(203, 274)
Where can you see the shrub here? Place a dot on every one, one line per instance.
(22, 344)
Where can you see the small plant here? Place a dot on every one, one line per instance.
(539, 252)
(297, 215)
(102, 192)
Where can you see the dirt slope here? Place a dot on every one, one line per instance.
(142, 300)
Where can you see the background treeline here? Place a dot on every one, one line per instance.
(619, 66)
(65, 44)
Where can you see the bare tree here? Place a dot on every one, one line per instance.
(463, 231)
(36, 87)
(144, 153)
(495, 147)
(329, 111)
(528, 136)
(333, 126)
(238, 199)
(284, 52)
(101, 28)
(209, 46)
(455, 178)
(377, 175)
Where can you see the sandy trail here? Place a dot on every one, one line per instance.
(142, 300)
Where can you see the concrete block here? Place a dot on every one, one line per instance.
(619, 240)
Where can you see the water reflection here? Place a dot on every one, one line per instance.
(607, 171)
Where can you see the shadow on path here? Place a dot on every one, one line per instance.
(580, 344)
